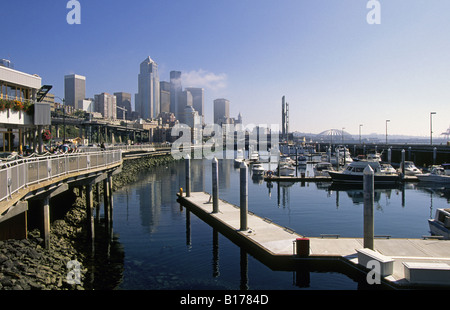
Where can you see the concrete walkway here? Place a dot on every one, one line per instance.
(279, 241)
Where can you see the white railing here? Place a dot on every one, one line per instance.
(18, 174)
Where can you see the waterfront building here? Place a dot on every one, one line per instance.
(123, 100)
(106, 104)
(221, 111)
(164, 90)
(17, 126)
(198, 101)
(147, 100)
(74, 90)
(175, 90)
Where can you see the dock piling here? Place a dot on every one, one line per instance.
(244, 195)
(188, 175)
(368, 208)
(215, 187)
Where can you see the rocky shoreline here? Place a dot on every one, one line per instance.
(27, 265)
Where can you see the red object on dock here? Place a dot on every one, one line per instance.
(302, 247)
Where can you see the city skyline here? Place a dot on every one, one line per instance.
(335, 69)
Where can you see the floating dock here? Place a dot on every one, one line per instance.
(412, 262)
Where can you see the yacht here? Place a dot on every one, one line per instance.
(286, 170)
(254, 156)
(258, 169)
(354, 172)
(440, 225)
(436, 175)
(321, 169)
(411, 169)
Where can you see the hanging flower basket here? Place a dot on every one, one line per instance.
(46, 135)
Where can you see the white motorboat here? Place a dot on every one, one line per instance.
(254, 156)
(286, 170)
(258, 169)
(436, 175)
(373, 157)
(446, 168)
(354, 173)
(321, 169)
(411, 169)
(440, 225)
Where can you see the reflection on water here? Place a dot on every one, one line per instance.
(166, 247)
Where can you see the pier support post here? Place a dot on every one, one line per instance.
(368, 208)
(244, 195)
(188, 175)
(389, 155)
(90, 211)
(106, 196)
(46, 221)
(215, 185)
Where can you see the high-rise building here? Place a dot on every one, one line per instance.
(123, 100)
(147, 99)
(106, 104)
(198, 101)
(175, 90)
(184, 100)
(164, 89)
(221, 111)
(74, 90)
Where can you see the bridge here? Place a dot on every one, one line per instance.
(29, 183)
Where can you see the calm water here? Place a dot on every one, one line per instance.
(164, 250)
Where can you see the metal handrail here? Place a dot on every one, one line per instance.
(24, 172)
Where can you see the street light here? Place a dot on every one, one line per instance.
(64, 118)
(431, 127)
(387, 121)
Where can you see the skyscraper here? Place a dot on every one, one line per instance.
(198, 101)
(74, 90)
(164, 88)
(106, 104)
(221, 111)
(147, 99)
(123, 101)
(175, 90)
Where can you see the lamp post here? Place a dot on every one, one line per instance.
(387, 121)
(431, 127)
(64, 118)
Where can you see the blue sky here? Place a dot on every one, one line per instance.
(335, 69)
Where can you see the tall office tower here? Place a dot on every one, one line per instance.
(164, 89)
(106, 104)
(184, 100)
(198, 101)
(147, 99)
(123, 101)
(175, 90)
(221, 111)
(74, 90)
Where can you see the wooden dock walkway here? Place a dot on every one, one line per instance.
(271, 243)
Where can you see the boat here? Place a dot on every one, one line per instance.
(254, 156)
(436, 175)
(301, 161)
(321, 169)
(411, 169)
(373, 157)
(258, 169)
(285, 170)
(446, 168)
(440, 225)
(354, 172)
